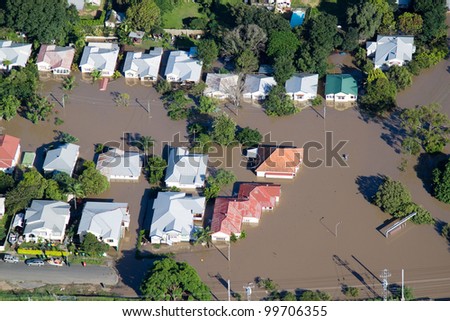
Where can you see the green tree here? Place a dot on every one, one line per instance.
(283, 68)
(428, 125)
(6, 182)
(92, 181)
(446, 231)
(410, 23)
(66, 138)
(380, 96)
(351, 39)
(207, 105)
(122, 99)
(143, 15)
(375, 74)
(365, 17)
(315, 296)
(96, 75)
(392, 196)
(156, 166)
(211, 191)
(32, 186)
(433, 14)
(92, 246)
(217, 181)
(244, 37)
(53, 191)
(163, 86)
(249, 137)
(400, 76)
(76, 189)
(224, 129)
(38, 109)
(8, 107)
(278, 103)
(282, 43)
(177, 105)
(169, 280)
(247, 62)
(146, 143)
(43, 21)
(68, 83)
(441, 183)
(203, 236)
(351, 292)
(208, 52)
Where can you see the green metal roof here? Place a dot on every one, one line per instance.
(341, 83)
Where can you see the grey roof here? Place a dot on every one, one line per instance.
(186, 168)
(222, 83)
(16, 53)
(304, 82)
(173, 212)
(62, 159)
(183, 67)
(258, 84)
(143, 64)
(52, 215)
(116, 162)
(393, 47)
(79, 4)
(266, 69)
(100, 55)
(103, 219)
(137, 34)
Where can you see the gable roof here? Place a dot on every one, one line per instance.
(223, 83)
(62, 159)
(265, 194)
(56, 56)
(144, 64)
(116, 162)
(304, 82)
(258, 84)
(279, 159)
(186, 168)
(227, 217)
(16, 53)
(8, 149)
(183, 66)
(52, 215)
(173, 211)
(342, 83)
(393, 47)
(103, 219)
(79, 4)
(100, 55)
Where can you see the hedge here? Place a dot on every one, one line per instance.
(40, 252)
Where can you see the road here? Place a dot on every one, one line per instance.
(15, 273)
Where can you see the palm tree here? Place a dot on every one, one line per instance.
(203, 236)
(96, 75)
(76, 189)
(69, 83)
(6, 63)
(146, 142)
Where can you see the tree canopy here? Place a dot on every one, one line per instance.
(248, 136)
(282, 43)
(92, 181)
(428, 125)
(143, 15)
(278, 103)
(44, 21)
(92, 246)
(156, 166)
(365, 17)
(224, 129)
(441, 183)
(244, 37)
(207, 52)
(169, 280)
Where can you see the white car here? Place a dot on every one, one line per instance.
(10, 258)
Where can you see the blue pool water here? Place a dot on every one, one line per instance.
(297, 18)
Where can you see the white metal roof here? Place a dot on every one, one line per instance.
(186, 168)
(304, 82)
(143, 64)
(183, 67)
(16, 53)
(62, 159)
(52, 215)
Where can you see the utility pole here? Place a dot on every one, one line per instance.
(148, 109)
(384, 277)
(336, 228)
(403, 285)
(248, 290)
(63, 101)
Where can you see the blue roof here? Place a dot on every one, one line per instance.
(297, 18)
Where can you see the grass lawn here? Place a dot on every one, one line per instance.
(232, 2)
(174, 19)
(305, 3)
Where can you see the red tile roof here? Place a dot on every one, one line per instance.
(227, 217)
(252, 198)
(281, 160)
(8, 149)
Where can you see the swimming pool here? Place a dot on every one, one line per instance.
(297, 18)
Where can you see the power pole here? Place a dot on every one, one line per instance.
(384, 277)
(248, 290)
(148, 109)
(403, 285)
(63, 101)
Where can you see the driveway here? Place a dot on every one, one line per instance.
(77, 274)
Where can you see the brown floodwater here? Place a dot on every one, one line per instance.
(295, 245)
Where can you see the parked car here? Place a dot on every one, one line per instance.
(10, 258)
(34, 262)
